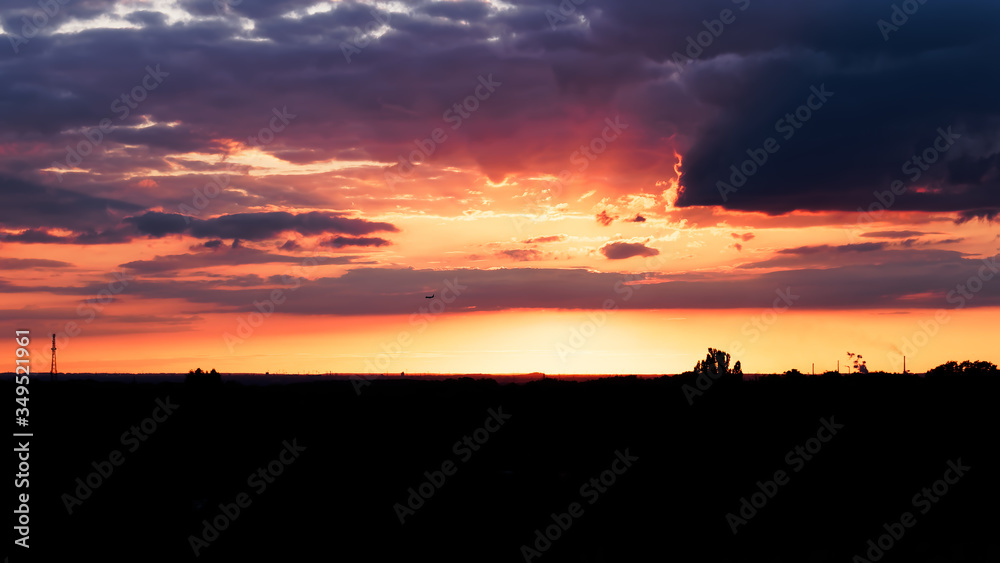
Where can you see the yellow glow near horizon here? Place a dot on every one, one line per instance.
(553, 342)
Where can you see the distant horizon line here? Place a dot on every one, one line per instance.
(437, 374)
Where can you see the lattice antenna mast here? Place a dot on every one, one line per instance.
(53, 371)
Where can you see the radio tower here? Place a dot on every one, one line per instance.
(53, 372)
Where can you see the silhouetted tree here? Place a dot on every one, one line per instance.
(716, 362)
(200, 377)
(965, 368)
(947, 368)
(983, 367)
(859, 364)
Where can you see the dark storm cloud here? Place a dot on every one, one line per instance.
(893, 234)
(398, 86)
(30, 263)
(233, 256)
(623, 250)
(36, 236)
(156, 224)
(45, 16)
(151, 19)
(852, 255)
(891, 101)
(889, 98)
(458, 11)
(988, 215)
(825, 248)
(920, 280)
(340, 242)
(257, 226)
(27, 205)
(249, 280)
(254, 226)
(903, 279)
(521, 254)
(108, 236)
(257, 9)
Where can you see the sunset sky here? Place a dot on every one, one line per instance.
(596, 186)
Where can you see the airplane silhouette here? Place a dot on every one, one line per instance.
(431, 296)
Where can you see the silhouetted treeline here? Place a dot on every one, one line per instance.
(964, 368)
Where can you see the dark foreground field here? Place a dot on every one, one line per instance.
(680, 468)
